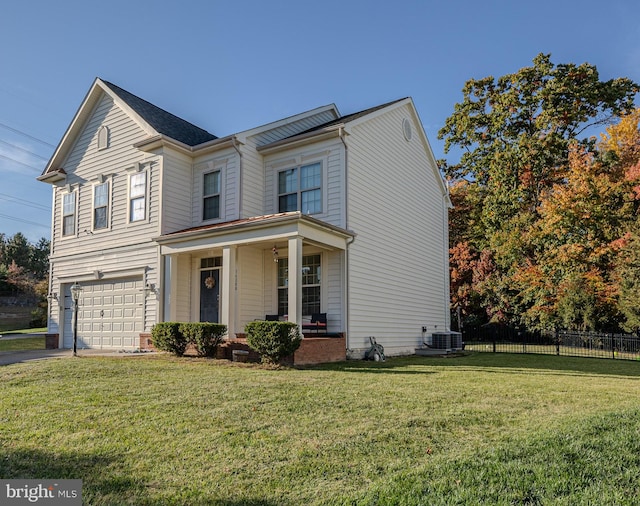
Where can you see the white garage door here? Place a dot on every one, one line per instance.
(110, 314)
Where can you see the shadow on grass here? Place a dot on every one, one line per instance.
(101, 475)
(108, 479)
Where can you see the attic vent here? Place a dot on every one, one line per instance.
(103, 138)
(406, 129)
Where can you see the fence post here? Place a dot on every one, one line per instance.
(557, 339)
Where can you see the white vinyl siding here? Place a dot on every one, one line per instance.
(398, 279)
(85, 164)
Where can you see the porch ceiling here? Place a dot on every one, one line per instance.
(260, 229)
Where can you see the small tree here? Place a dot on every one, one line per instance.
(273, 340)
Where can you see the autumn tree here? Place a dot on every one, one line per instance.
(541, 200)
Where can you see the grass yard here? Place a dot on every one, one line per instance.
(479, 429)
(24, 343)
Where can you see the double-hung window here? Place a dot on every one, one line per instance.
(300, 189)
(138, 196)
(69, 213)
(311, 282)
(101, 206)
(211, 196)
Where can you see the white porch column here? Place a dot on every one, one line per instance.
(229, 290)
(170, 291)
(295, 280)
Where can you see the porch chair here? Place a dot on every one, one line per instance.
(318, 323)
(271, 318)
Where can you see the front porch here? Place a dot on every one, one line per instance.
(288, 266)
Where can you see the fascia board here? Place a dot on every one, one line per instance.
(301, 140)
(278, 123)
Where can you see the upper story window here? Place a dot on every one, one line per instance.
(138, 196)
(211, 196)
(101, 206)
(103, 138)
(69, 214)
(300, 189)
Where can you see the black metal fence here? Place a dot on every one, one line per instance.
(502, 339)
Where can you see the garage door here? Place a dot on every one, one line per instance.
(110, 314)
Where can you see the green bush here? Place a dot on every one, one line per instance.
(166, 336)
(206, 337)
(273, 340)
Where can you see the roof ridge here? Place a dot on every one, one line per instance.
(161, 120)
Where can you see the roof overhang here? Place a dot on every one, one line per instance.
(53, 176)
(260, 229)
(160, 141)
(300, 140)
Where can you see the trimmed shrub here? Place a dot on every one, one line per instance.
(166, 336)
(273, 340)
(205, 337)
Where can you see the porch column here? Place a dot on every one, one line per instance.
(295, 280)
(229, 288)
(170, 290)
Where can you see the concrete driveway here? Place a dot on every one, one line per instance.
(14, 357)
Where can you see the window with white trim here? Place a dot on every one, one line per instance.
(138, 196)
(69, 214)
(101, 206)
(211, 196)
(311, 284)
(300, 189)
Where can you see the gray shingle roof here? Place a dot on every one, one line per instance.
(349, 117)
(162, 121)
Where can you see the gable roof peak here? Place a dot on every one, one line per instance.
(160, 120)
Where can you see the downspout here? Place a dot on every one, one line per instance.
(341, 134)
(233, 143)
(445, 251)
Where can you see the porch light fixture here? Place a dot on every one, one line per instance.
(76, 290)
(52, 296)
(275, 254)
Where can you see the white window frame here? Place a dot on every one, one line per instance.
(284, 288)
(74, 233)
(108, 205)
(217, 170)
(143, 196)
(299, 190)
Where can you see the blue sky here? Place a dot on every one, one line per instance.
(228, 66)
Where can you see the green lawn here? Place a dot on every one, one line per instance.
(479, 429)
(25, 343)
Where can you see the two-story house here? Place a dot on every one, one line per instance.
(159, 220)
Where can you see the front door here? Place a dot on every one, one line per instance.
(209, 295)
